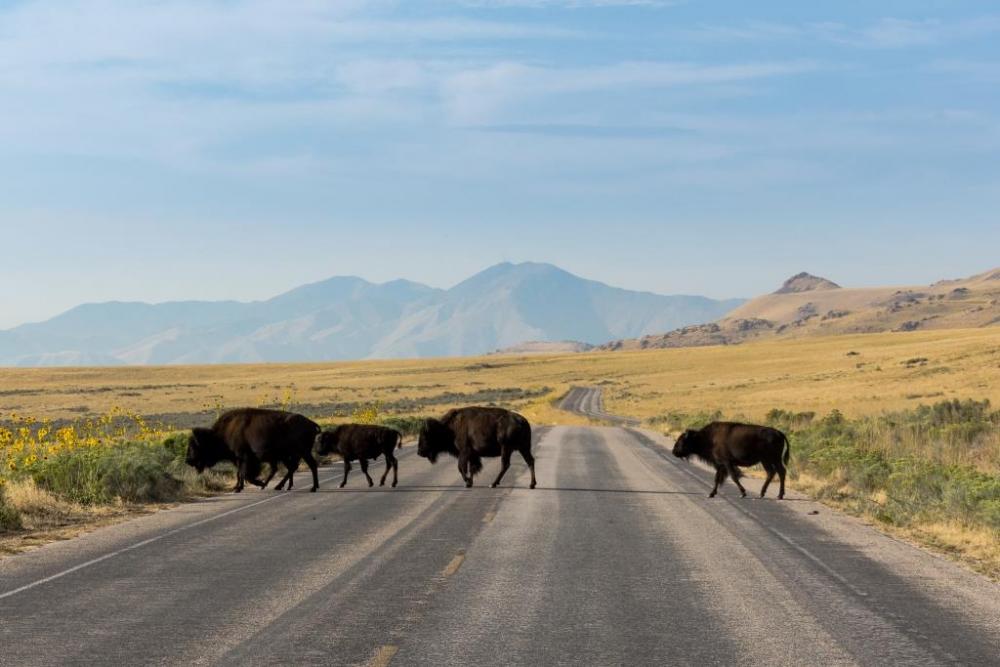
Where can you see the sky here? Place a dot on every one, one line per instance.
(233, 149)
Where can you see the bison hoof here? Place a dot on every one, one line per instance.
(342, 485)
(371, 484)
(743, 494)
(712, 494)
(532, 485)
(394, 485)
(314, 489)
(494, 485)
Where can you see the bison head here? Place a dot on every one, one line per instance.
(205, 449)
(435, 438)
(685, 445)
(326, 441)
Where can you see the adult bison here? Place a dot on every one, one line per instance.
(361, 442)
(728, 446)
(250, 436)
(472, 433)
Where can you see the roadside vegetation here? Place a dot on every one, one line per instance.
(58, 475)
(54, 476)
(931, 472)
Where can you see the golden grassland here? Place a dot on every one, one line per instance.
(858, 375)
(77, 415)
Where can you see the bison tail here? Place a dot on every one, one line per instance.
(788, 449)
(399, 443)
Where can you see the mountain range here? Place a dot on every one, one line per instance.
(351, 318)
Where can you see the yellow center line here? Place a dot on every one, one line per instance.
(489, 517)
(453, 566)
(383, 656)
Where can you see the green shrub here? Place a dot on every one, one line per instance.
(10, 518)
(409, 426)
(176, 444)
(917, 460)
(132, 472)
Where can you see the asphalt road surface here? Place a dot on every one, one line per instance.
(617, 558)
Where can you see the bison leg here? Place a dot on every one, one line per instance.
(239, 482)
(504, 465)
(389, 462)
(395, 471)
(364, 468)
(314, 469)
(720, 477)
(463, 466)
(781, 479)
(274, 471)
(291, 466)
(735, 473)
(249, 472)
(767, 482)
(347, 469)
(530, 460)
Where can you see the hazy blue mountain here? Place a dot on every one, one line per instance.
(513, 303)
(351, 318)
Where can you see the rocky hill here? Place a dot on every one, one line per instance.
(806, 282)
(808, 305)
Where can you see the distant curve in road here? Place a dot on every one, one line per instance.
(617, 558)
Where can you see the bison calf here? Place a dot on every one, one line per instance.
(728, 446)
(472, 433)
(250, 436)
(362, 442)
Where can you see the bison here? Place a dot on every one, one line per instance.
(472, 433)
(250, 436)
(727, 446)
(362, 442)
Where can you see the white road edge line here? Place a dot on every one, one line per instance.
(137, 545)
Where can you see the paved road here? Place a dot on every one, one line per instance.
(587, 401)
(616, 558)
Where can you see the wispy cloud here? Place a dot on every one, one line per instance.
(973, 70)
(475, 95)
(886, 33)
(567, 4)
(195, 34)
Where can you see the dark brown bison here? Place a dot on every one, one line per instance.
(249, 437)
(728, 446)
(472, 433)
(361, 442)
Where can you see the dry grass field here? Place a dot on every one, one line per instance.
(931, 474)
(858, 375)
